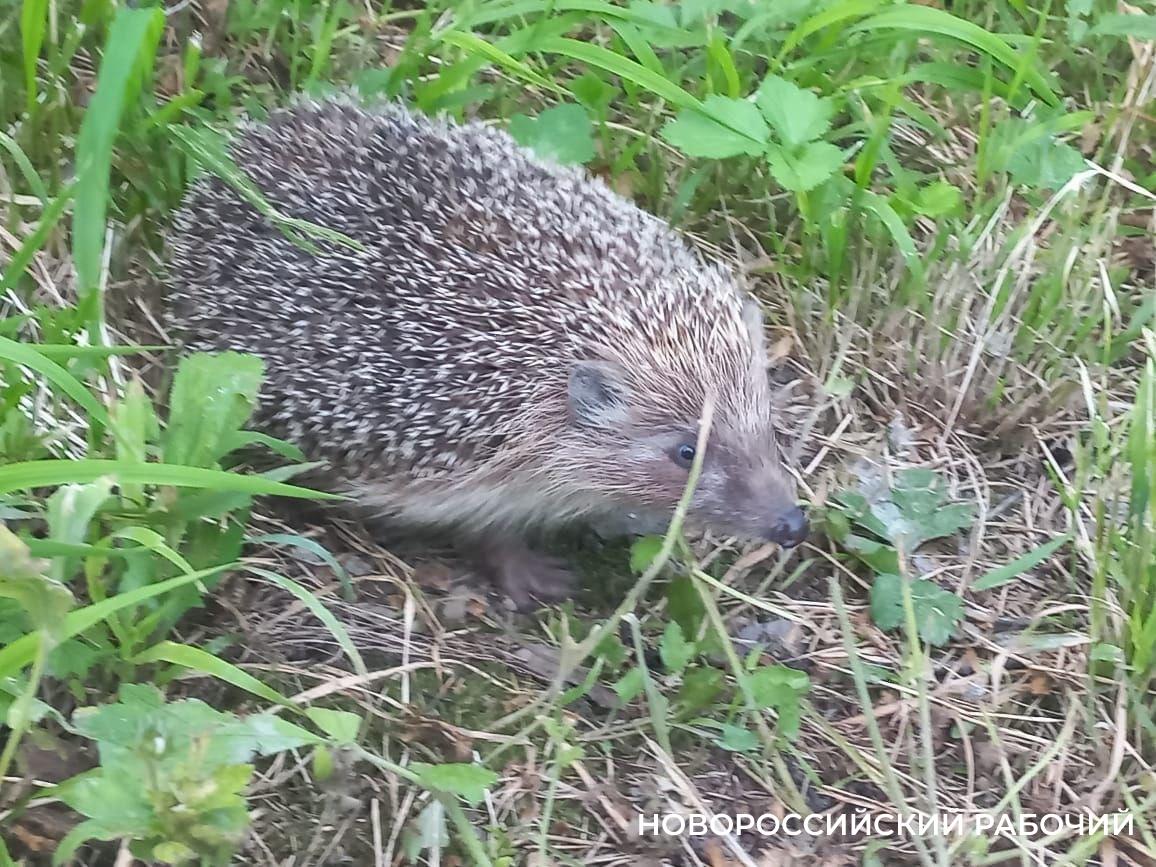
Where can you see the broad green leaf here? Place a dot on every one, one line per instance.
(212, 397)
(806, 168)
(736, 739)
(938, 199)
(22, 578)
(798, 116)
(1021, 564)
(1045, 163)
(723, 128)
(70, 511)
(1141, 27)
(643, 552)
(340, 725)
(562, 134)
(936, 610)
(630, 685)
(468, 782)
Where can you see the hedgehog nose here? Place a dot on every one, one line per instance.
(790, 529)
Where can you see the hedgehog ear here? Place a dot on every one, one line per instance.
(598, 394)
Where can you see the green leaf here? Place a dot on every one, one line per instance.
(924, 512)
(700, 687)
(212, 397)
(685, 604)
(70, 511)
(675, 650)
(33, 24)
(22, 578)
(468, 782)
(119, 809)
(797, 115)
(340, 725)
(643, 552)
(630, 685)
(737, 740)
(938, 200)
(19, 653)
(562, 134)
(806, 168)
(1045, 164)
(1141, 27)
(936, 610)
(595, 55)
(1021, 564)
(722, 128)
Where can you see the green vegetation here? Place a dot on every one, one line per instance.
(948, 212)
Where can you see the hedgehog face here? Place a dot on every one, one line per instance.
(642, 456)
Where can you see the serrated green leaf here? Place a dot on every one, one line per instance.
(722, 128)
(938, 199)
(806, 168)
(468, 782)
(674, 649)
(797, 115)
(630, 685)
(212, 397)
(936, 610)
(340, 725)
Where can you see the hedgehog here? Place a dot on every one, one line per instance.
(508, 348)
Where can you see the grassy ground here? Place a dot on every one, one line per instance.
(948, 212)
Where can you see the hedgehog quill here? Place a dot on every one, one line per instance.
(512, 348)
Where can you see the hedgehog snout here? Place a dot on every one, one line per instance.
(790, 528)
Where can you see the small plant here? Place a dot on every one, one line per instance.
(883, 528)
(172, 776)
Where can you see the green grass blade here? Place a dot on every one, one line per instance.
(25, 166)
(30, 356)
(22, 651)
(335, 627)
(603, 58)
(204, 662)
(474, 44)
(33, 23)
(36, 241)
(131, 43)
(1021, 564)
(928, 20)
(37, 474)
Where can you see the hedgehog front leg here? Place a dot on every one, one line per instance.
(525, 575)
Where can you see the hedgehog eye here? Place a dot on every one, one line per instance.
(684, 455)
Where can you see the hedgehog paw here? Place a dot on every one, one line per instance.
(527, 577)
